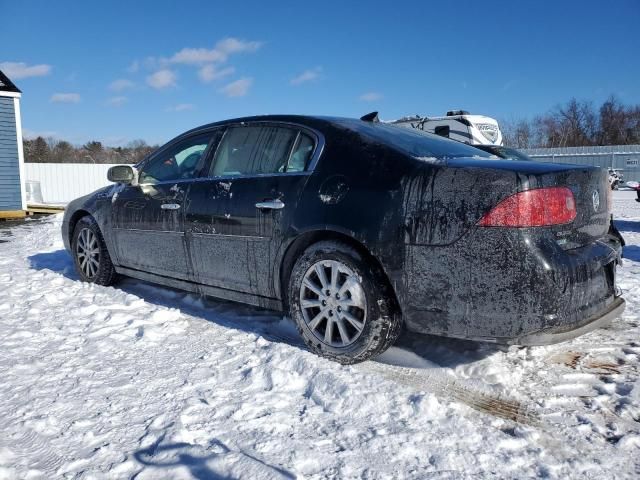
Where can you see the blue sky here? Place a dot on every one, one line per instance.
(118, 71)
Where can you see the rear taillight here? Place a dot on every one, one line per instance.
(533, 208)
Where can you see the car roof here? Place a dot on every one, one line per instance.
(286, 118)
(407, 141)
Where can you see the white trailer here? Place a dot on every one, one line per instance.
(457, 125)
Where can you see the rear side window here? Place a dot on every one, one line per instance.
(254, 150)
(442, 130)
(301, 154)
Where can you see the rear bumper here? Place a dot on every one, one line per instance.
(567, 332)
(501, 288)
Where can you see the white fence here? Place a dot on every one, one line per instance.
(62, 182)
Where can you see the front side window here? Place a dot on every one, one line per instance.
(254, 150)
(177, 162)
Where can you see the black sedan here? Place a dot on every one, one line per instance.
(359, 229)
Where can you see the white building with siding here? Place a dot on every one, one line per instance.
(12, 176)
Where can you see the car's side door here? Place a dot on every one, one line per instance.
(148, 217)
(239, 215)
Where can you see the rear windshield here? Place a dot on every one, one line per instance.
(504, 152)
(414, 142)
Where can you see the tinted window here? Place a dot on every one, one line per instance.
(442, 130)
(176, 162)
(411, 141)
(254, 150)
(504, 152)
(301, 155)
(512, 153)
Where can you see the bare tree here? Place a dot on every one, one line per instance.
(577, 123)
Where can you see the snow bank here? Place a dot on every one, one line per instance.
(149, 382)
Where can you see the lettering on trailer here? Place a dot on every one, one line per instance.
(632, 163)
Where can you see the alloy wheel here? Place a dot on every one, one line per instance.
(333, 303)
(88, 252)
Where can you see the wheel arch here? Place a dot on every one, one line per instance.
(308, 238)
(73, 221)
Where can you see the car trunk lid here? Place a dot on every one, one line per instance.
(592, 195)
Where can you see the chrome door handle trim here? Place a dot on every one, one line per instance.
(276, 204)
(170, 206)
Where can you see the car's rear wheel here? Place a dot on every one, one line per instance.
(341, 304)
(90, 254)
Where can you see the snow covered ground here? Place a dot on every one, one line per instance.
(146, 382)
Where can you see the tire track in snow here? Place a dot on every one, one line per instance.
(31, 449)
(433, 380)
(449, 388)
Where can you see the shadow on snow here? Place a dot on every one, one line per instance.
(631, 252)
(422, 351)
(627, 225)
(196, 458)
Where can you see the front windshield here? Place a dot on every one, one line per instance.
(414, 142)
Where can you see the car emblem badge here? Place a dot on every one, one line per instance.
(596, 200)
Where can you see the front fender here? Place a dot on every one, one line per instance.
(97, 205)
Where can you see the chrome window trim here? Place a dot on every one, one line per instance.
(178, 233)
(255, 238)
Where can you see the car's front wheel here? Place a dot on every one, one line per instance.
(90, 254)
(341, 304)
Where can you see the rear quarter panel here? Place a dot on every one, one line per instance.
(357, 189)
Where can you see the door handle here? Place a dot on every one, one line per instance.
(276, 204)
(170, 206)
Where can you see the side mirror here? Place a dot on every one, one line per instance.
(123, 174)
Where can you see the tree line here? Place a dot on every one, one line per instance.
(576, 124)
(573, 124)
(51, 150)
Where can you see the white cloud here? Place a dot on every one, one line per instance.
(148, 63)
(195, 56)
(17, 70)
(181, 107)
(239, 88)
(121, 84)
(208, 73)
(307, 76)
(162, 79)
(220, 53)
(117, 101)
(134, 67)
(370, 96)
(65, 98)
(233, 45)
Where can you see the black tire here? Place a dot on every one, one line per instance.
(383, 322)
(105, 273)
